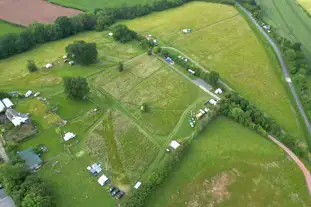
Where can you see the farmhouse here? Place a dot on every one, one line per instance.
(174, 144)
(7, 103)
(218, 91)
(17, 118)
(102, 180)
(32, 160)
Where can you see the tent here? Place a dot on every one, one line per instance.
(102, 180)
(69, 135)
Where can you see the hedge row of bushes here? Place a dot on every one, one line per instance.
(63, 27)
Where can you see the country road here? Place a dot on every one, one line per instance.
(300, 164)
(283, 65)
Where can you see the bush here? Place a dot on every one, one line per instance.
(120, 67)
(123, 34)
(76, 87)
(31, 66)
(83, 53)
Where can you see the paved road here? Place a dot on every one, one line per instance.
(300, 164)
(283, 65)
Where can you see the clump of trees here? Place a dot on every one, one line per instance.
(26, 189)
(123, 34)
(31, 66)
(83, 53)
(76, 87)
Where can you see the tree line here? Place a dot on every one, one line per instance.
(99, 19)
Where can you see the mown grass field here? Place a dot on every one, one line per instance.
(85, 5)
(221, 40)
(306, 4)
(6, 28)
(229, 165)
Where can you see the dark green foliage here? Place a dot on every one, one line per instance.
(144, 107)
(64, 26)
(4, 94)
(31, 66)
(120, 67)
(83, 53)
(149, 52)
(213, 78)
(157, 50)
(123, 34)
(103, 21)
(76, 87)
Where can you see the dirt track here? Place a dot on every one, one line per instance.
(25, 12)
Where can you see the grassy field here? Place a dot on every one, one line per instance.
(221, 40)
(229, 165)
(85, 5)
(306, 4)
(6, 28)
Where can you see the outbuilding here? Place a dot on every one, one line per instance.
(174, 144)
(36, 94)
(191, 71)
(110, 34)
(2, 107)
(69, 136)
(48, 66)
(28, 93)
(218, 91)
(199, 115)
(7, 103)
(102, 180)
(213, 102)
(137, 185)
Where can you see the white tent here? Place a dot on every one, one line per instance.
(136, 186)
(69, 135)
(174, 144)
(110, 34)
(7, 103)
(2, 107)
(28, 93)
(49, 65)
(102, 180)
(218, 91)
(65, 57)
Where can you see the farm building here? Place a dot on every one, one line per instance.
(213, 102)
(2, 107)
(137, 185)
(69, 136)
(218, 91)
(32, 160)
(102, 180)
(7, 103)
(174, 144)
(28, 93)
(17, 118)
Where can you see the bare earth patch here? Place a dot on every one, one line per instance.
(26, 12)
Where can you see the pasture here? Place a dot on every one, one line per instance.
(86, 6)
(229, 165)
(306, 4)
(221, 40)
(6, 28)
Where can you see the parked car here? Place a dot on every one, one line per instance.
(120, 195)
(115, 192)
(111, 189)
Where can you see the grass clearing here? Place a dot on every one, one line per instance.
(306, 4)
(221, 40)
(6, 28)
(233, 167)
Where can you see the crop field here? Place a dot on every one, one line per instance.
(85, 5)
(229, 165)
(6, 28)
(306, 4)
(221, 40)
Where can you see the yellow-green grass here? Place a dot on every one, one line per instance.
(6, 28)
(306, 4)
(229, 165)
(14, 74)
(221, 40)
(166, 93)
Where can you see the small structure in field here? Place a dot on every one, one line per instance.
(32, 160)
(69, 136)
(65, 57)
(2, 107)
(148, 37)
(17, 118)
(199, 115)
(137, 185)
(110, 34)
(7, 103)
(103, 180)
(213, 102)
(28, 93)
(36, 94)
(94, 169)
(191, 71)
(185, 31)
(186, 59)
(71, 62)
(169, 60)
(218, 91)
(174, 144)
(48, 66)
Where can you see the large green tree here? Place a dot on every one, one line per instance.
(76, 87)
(123, 34)
(82, 52)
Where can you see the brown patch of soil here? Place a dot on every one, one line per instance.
(25, 12)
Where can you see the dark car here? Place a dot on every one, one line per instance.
(115, 192)
(120, 195)
(111, 189)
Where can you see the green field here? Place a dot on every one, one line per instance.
(306, 4)
(221, 40)
(6, 28)
(85, 5)
(229, 165)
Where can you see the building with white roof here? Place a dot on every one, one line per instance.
(69, 136)
(213, 102)
(2, 107)
(7, 103)
(48, 66)
(218, 91)
(136, 186)
(28, 93)
(174, 144)
(102, 180)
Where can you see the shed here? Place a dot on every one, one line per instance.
(137, 185)
(174, 144)
(102, 180)
(69, 135)
(28, 93)
(2, 107)
(218, 91)
(32, 160)
(48, 66)
(213, 102)
(7, 103)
